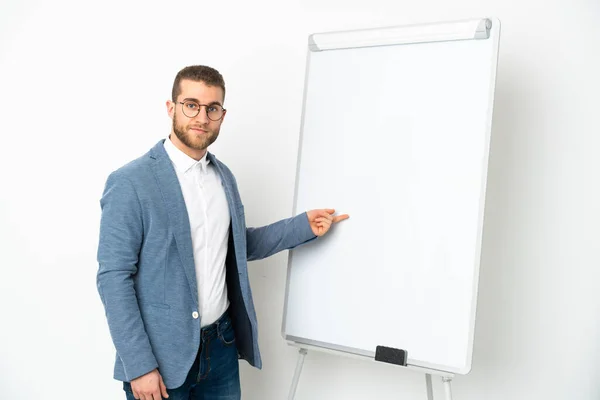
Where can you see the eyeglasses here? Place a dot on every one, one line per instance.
(191, 109)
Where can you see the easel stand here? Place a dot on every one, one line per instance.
(299, 364)
(446, 378)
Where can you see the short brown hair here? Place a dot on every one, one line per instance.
(198, 73)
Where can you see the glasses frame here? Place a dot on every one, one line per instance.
(200, 107)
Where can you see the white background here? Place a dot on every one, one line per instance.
(82, 91)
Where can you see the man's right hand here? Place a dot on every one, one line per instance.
(149, 387)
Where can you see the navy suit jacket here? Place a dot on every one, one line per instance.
(146, 276)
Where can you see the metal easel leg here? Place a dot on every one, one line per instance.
(429, 386)
(447, 387)
(299, 364)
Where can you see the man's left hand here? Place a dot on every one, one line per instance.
(321, 220)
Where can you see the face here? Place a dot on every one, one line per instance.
(194, 135)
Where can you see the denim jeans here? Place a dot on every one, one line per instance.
(215, 374)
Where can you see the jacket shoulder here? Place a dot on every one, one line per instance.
(133, 169)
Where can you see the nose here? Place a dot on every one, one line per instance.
(202, 116)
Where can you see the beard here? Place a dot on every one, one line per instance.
(193, 140)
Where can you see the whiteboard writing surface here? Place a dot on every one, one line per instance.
(397, 136)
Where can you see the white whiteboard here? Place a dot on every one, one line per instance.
(398, 137)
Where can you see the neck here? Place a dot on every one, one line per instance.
(193, 153)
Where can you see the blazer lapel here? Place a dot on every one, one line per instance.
(228, 194)
(178, 216)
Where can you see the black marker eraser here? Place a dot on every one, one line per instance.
(391, 355)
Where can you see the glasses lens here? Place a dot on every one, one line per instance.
(190, 109)
(214, 112)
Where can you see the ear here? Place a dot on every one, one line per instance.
(223, 117)
(170, 108)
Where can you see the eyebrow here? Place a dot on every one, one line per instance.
(198, 101)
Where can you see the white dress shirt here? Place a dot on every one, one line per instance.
(209, 217)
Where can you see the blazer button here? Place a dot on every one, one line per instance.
(195, 314)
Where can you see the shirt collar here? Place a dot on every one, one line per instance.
(182, 162)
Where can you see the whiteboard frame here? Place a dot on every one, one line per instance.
(494, 36)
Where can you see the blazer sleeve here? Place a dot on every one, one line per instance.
(282, 235)
(121, 235)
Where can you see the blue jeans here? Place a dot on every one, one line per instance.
(215, 375)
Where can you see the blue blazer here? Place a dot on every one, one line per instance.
(146, 276)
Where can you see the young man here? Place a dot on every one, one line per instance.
(173, 255)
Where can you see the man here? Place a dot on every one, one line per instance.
(173, 255)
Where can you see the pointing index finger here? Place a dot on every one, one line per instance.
(339, 218)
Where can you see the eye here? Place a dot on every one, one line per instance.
(191, 106)
(212, 109)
